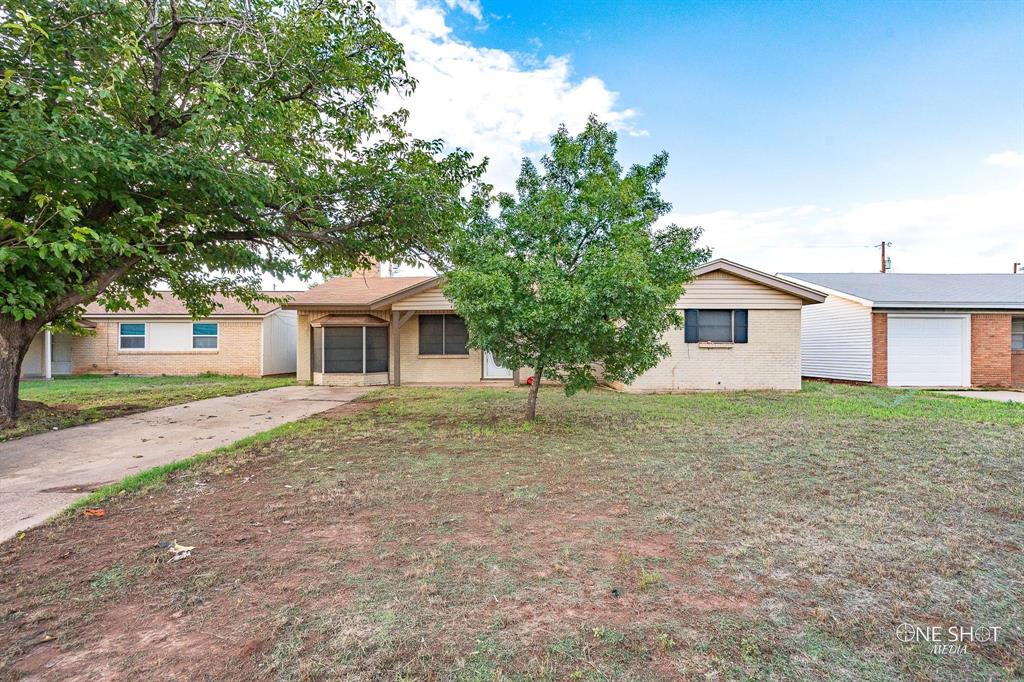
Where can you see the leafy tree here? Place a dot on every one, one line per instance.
(571, 277)
(200, 143)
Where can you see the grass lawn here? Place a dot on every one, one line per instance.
(70, 401)
(429, 534)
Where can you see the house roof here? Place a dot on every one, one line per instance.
(911, 290)
(360, 292)
(805, 293)
(166, 303)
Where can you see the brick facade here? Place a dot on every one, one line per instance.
(239, 352)
(990, 350)
(1017, 368)
(770, 360)
(880, 349)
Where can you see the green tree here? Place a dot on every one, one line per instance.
(570, 276)
(201, 143)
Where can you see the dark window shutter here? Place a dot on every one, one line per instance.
(690, 322)
(431, 334)
(740, 326)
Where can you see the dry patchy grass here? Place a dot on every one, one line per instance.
(431, 534)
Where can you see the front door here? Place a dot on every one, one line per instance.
(492, 370)
(60, 355)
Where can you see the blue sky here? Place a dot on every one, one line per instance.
(762, 103)
(799, 133)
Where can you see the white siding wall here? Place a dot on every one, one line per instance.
(835, 340)
(279, 336)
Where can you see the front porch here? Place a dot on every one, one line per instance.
(396, 347)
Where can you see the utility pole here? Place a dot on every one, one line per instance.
(1016, 268)
(885, 261)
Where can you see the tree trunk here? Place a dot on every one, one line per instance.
(15, 338)
(531, 402)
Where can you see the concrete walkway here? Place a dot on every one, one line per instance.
(1001, 396)
(42, 474)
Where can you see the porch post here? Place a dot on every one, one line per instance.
(396, 345)
(47, 361)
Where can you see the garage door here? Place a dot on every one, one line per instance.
(929, 351)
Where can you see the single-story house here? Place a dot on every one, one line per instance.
(742, 332)
(162, 338)
(902, 329)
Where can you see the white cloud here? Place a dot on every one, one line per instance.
(487, 100)
(975, 232)
(1007, 159)
(470, 7)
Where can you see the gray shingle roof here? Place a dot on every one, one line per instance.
(924, 291)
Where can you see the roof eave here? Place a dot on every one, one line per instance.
(804, 293)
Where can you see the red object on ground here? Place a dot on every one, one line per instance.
(94, 513)
(529, 381)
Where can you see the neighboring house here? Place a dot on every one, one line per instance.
(161, 338)
(897, 329)
(742, 332)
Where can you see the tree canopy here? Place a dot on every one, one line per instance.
(201, 143)
(570, 276)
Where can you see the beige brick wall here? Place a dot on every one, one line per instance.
(435, 369)
(880, 349)
(239, 353)
(770, 359)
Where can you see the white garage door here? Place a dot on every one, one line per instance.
(929, 351)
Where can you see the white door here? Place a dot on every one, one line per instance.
(492, 370)
(929, 350)
(60, 355)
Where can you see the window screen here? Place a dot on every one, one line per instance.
(715, 325)
(133, 335)
(317, 356)
(443, 335)
(455, 335)
(720, 326)
(431, 334)
(1017, 335)
(343, 350)
(376, 349)
(204, 334)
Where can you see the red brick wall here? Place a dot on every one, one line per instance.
(990, 349)
(880, 349)
(1017, 368)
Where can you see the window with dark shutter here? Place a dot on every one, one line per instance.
(716, 326)
(443, 335)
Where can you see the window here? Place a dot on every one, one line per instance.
(133, 335)
(443, 335)
(350, 350)
(1017, 334)
(719, 326)
(204, 335)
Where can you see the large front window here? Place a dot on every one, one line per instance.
(350, 350)
(443, 335)
(1017, 334)
(132, 335)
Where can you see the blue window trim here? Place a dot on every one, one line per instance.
(131, 330)
(200, 330)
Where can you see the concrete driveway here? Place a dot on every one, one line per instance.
(42, 474)
(1001, 396)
